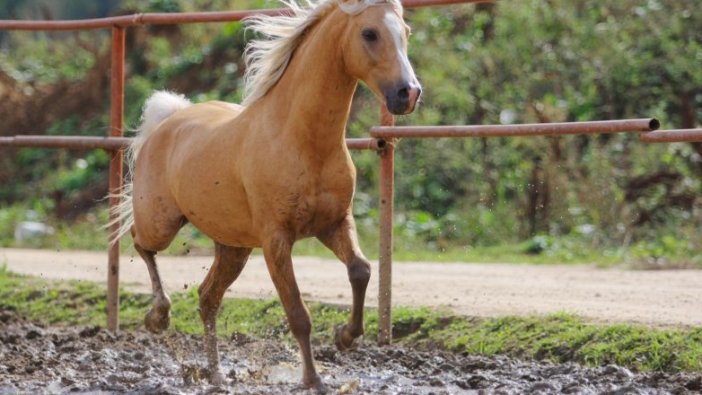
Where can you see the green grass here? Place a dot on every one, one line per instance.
(557, 337)
(564, 337)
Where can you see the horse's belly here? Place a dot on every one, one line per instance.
(219, 208)
(228, 227)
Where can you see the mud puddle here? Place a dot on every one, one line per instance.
(57, 360)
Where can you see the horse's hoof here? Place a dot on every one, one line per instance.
(156, 321)
(217, 378)
(342, 339)
(315, 383)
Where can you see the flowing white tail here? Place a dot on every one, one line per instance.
(159, 106)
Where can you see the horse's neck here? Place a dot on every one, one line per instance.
(313, 97)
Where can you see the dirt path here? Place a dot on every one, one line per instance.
(657, 298)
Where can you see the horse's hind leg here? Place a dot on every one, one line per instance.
(159, 317)
(342, 240)
(156, 222)
(228, 264)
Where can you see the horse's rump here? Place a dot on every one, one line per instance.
(169, 120)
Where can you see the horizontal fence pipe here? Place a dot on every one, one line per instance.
(672, 136)
(137, 20)
(115, 143)
(380, 133)
(173, 18)
(365, 144)
(519, 130)
(434, 3)
(68, 142)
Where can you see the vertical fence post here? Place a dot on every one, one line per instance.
(387, 170)
(115, 178)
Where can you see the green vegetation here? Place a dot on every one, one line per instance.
(605, 199)
(564, 337)
(557, 337)
(667, 252)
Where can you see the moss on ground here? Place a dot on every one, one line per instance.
(557, 337)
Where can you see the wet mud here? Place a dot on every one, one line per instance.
(47, 359)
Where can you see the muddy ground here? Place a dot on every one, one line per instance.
(40, 359)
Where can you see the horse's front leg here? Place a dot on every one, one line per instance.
(277, 252)
(228, 264)
(343, 241)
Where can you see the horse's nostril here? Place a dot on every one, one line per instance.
(403, 93)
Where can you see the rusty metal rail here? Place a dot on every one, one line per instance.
(136, 20)
(119, 35)
(386, 213)
(117, 143)
(519, 130)
(67, 142)
(164, 18)
(673, 136)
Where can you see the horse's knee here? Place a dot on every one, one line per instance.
(359, 271)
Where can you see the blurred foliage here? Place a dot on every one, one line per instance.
(509, 62)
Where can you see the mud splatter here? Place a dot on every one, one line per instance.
(52, 359)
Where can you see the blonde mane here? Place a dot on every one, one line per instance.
(267, 58)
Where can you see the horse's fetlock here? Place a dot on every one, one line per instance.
(206, 311)
(356, 331)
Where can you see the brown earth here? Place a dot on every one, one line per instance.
(36, 359)
(649, 297)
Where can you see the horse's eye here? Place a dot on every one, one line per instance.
(370, 35)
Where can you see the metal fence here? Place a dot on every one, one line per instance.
(383, 138)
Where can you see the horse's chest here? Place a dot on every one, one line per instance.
(314, 208)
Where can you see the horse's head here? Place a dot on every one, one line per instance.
(375, 51)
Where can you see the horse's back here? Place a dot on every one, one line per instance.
(205, 116)
(185, 132)
(190, 128)
(233, 108)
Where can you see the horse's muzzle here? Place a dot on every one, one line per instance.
(402, 98)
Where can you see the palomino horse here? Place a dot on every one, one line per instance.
(274, 170)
